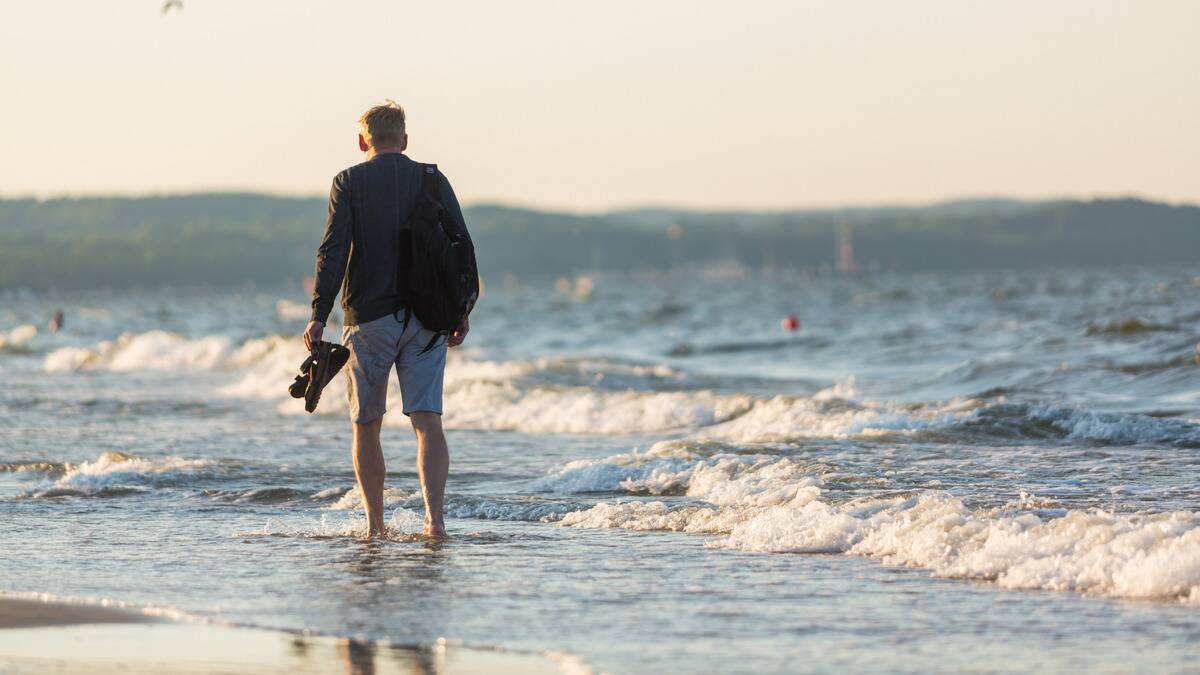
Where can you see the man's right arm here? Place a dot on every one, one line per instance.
(334, 250)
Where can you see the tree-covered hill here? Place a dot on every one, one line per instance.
(230, 238)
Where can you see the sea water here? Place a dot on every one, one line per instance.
(991, 472)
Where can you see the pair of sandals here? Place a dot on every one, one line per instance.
(318, 370)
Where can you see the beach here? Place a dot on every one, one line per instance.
(38, 636)
(935, 472)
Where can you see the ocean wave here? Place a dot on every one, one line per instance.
(480, 394)
(509, 395)
(605, 397)
(61, 491)
(159, 350)
(263, 495)
(773, 504)
(519, 509)
(586, 411)
(1038, 422)
(16, 340)
(513, 406)
(351, 499)
(835, 413)
(682, 468)
(274, 358)
(1144, 556)
(689, 349)
(117, 474)
(1143, 367)
(155, 350)
(34, 466)
(1127, 327)
(828, 415)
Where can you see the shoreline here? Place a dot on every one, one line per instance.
(67, 637)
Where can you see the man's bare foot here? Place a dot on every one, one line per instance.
(433, 529)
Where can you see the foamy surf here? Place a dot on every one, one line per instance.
(779, 505)
(479, 394)
(114, 474)
(16, 340)
(541, 396)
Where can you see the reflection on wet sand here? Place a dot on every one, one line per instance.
(360, 659)
(109, 640)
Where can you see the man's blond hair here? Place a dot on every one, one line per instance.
(383, 125)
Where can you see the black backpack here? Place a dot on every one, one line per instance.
(443, 280)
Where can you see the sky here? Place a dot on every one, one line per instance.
(589, 106)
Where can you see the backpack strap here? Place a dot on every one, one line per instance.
(431, 188)
(432, 341)
(429, 181)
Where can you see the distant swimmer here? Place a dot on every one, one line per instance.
(791, 323)
(56, 321)
(403, 305)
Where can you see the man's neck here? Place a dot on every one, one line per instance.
(372, 153)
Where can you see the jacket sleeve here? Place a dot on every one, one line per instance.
(334, 250)
(450, 202)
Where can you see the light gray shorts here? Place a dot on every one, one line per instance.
(375, 347)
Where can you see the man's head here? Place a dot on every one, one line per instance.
(381, 129)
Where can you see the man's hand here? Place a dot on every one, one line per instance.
(459, 334)
(312, 334)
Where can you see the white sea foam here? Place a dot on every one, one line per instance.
(771, 505)
(490, 395)
(402, 523)
(608, 474)
(479, 394)
(155, 350)
(832, 413)
(113, 470)
(289, 310)
(520, 396)
(352, 499)
(16, 338)
(584, 410)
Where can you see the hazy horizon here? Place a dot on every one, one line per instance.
(622, 208)
(697, 105)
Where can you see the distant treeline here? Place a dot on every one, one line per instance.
(222, 239)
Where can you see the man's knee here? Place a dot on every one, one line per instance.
(426, 422)
(368, 429)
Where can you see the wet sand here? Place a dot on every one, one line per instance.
(54, 637)
(19, 613)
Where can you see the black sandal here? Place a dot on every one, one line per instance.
(317, 371)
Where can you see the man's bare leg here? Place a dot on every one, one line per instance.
(369, 469)
(433, 465)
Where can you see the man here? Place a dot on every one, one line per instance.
(364, 254)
